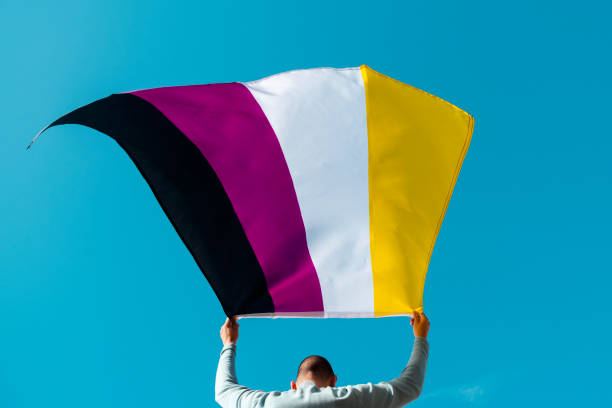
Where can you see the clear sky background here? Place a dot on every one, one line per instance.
(101, 305)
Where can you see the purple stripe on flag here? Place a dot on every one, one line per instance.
(228, 126)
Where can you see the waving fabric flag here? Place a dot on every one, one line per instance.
(316, 192)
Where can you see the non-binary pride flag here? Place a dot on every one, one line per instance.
(315, 192)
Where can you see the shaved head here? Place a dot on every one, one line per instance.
(317, 368)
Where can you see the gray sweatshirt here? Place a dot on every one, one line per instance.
(395, 393)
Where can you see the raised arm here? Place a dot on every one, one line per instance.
(409, 384)
(228, 393)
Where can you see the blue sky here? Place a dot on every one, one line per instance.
(101, 305)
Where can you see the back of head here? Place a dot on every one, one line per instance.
(316, 368)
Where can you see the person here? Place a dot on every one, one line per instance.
(315, 384)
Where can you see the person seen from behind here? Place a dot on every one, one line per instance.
(315, 383)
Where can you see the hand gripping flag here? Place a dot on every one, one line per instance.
(313, 193)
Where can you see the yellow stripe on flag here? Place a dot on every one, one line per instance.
(416, 144)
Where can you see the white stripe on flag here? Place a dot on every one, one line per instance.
(319, 117)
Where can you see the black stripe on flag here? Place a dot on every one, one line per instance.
(190, 194)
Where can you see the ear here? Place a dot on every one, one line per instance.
(333, 381)
(293, 385)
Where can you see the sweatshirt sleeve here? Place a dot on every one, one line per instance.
(228, 393)
(409, 385)
(405, 388)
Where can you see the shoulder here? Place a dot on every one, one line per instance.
(378, 394)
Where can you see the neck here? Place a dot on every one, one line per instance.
(318, 383)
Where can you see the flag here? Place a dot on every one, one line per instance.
(313, 193)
